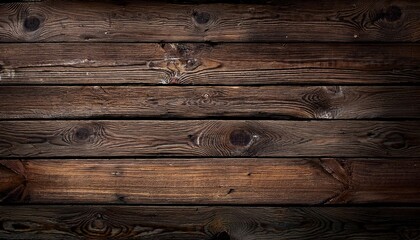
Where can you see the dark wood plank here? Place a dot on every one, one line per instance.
(207, 223)
(209, 138)
(318, 102)
(205, 181)
(221, 64)
(145, 21)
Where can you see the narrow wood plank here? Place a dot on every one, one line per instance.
(145, 21)
(209, 138)
(220, 64)
(206, 223)
(205, 181)
(318, 102)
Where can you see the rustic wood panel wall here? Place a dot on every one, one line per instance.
(243, 119)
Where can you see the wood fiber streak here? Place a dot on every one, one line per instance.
(209, 138)
(220, 181)
(155, 21)
(206, 223)
(317, 102)
(209, 64)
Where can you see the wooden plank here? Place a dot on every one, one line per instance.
(204, 223)
(209, 181)
(220, 64)
(209, 138)
(153, 21)
(310, 102)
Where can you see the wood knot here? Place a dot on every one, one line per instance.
(333, 90)
(191, 64)
(82, 133)
(395, 141)
(31, 23)
(201, 17)
(392, 13)
(20, 226)
(12, 227)
(91, 133)
(98, 223)
(221, 236)
(240, 138)
(321, 102)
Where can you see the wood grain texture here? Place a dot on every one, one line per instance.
(209, 64)
(285, 102)
(145, 21)
(93, 61)
(205, 181)
(207, 223)
(209, 138)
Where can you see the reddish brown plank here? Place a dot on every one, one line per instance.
(318, 102)
(204, 223)
(221, 64)
(209, 138)
(205, 181)
(152, 21)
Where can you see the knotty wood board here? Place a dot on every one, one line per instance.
(209, 64)
(209, 138)
(155, 21)
(208, 223)
(122, 145)
(205, 181)
(310, 102)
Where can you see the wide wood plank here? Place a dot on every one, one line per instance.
(318, 102)
(220, 64)
(209, 138)
(145, 21)
(204, 181)
(207, 223)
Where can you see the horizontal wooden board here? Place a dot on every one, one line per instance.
(205, 181)
(285, 102)
(145, 21)
(207, 223)
(220, 64)
(209, 138)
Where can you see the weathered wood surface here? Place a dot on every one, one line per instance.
(200, 63)
(205, 181)
(154, 21)
(284, 102)
(209, 138)
(207, 223)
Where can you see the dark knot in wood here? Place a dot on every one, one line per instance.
(32, 23)
(82, 133)
(393, 13)
(191, 64)
(395, 141)
(221, 236)
(20, 226)
(98, 222)
(201, 17)
(240, 138)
